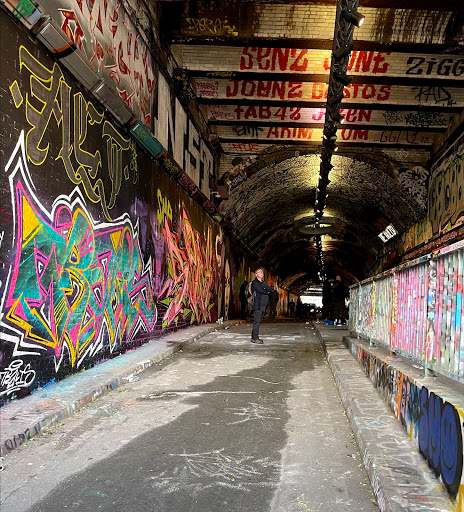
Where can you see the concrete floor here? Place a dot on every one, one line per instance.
(221, 425)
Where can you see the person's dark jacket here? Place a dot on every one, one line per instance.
(242, 293)
(259, 290)
(274, 296)
(340, 291)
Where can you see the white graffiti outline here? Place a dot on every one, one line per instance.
(252, 412)
(224, 470)
(17, 164)
(14, 378)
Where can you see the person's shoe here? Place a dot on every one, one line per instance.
(258, 341)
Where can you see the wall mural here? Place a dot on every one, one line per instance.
(100, 252)
(189, 288)
(103, 31)
(433, 424)
(422, 317)
(48, 103)
(76, 284)
(416, 311)
(120, 52)
(445, 206)
(446, 194)
(79, 288)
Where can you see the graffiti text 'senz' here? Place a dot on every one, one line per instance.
(298, 61)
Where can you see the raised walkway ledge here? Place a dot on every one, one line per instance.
(418, 414)
(25, 418)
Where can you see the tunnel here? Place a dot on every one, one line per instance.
(156, 155)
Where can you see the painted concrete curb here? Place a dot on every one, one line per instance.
(27, 417)
(399, 476)
(404, 391)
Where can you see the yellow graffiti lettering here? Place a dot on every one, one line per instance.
(164, 209)
(42, 101)
(49, 97)
(216, 26)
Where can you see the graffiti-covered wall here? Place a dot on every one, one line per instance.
(446, 199)
(113, 49)
(433, 423)
(99, 249)
(416, 310)
(106, 36)
(445, 207)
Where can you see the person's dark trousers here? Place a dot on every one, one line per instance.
(273, 312)
(243, 314)
(258, 316)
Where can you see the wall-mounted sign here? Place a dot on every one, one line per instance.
(388, 233)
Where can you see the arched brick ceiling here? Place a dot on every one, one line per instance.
(364, 194)
(261, 69)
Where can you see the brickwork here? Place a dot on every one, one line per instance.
(411, 119)
(308, 61)
(283, 133)
(315, 21)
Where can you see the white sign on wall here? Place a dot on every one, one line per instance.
(388, 233)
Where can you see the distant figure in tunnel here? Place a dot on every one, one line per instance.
(260, 303)
(327, 301)
(340, 294)
(273, 300)
(299, 309)
(242, 295)
(291, 307)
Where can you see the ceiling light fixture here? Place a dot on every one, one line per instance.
(355, 18)
(342, 51)
(333, 99)
(337, 117)
(342, 78)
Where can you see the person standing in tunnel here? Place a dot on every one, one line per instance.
(291, 307)
(273, 300)
(242, 295)
(260, 304)
(340, 294)
(327, 301)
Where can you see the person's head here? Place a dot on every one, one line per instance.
(259, 273)
(338, 278)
